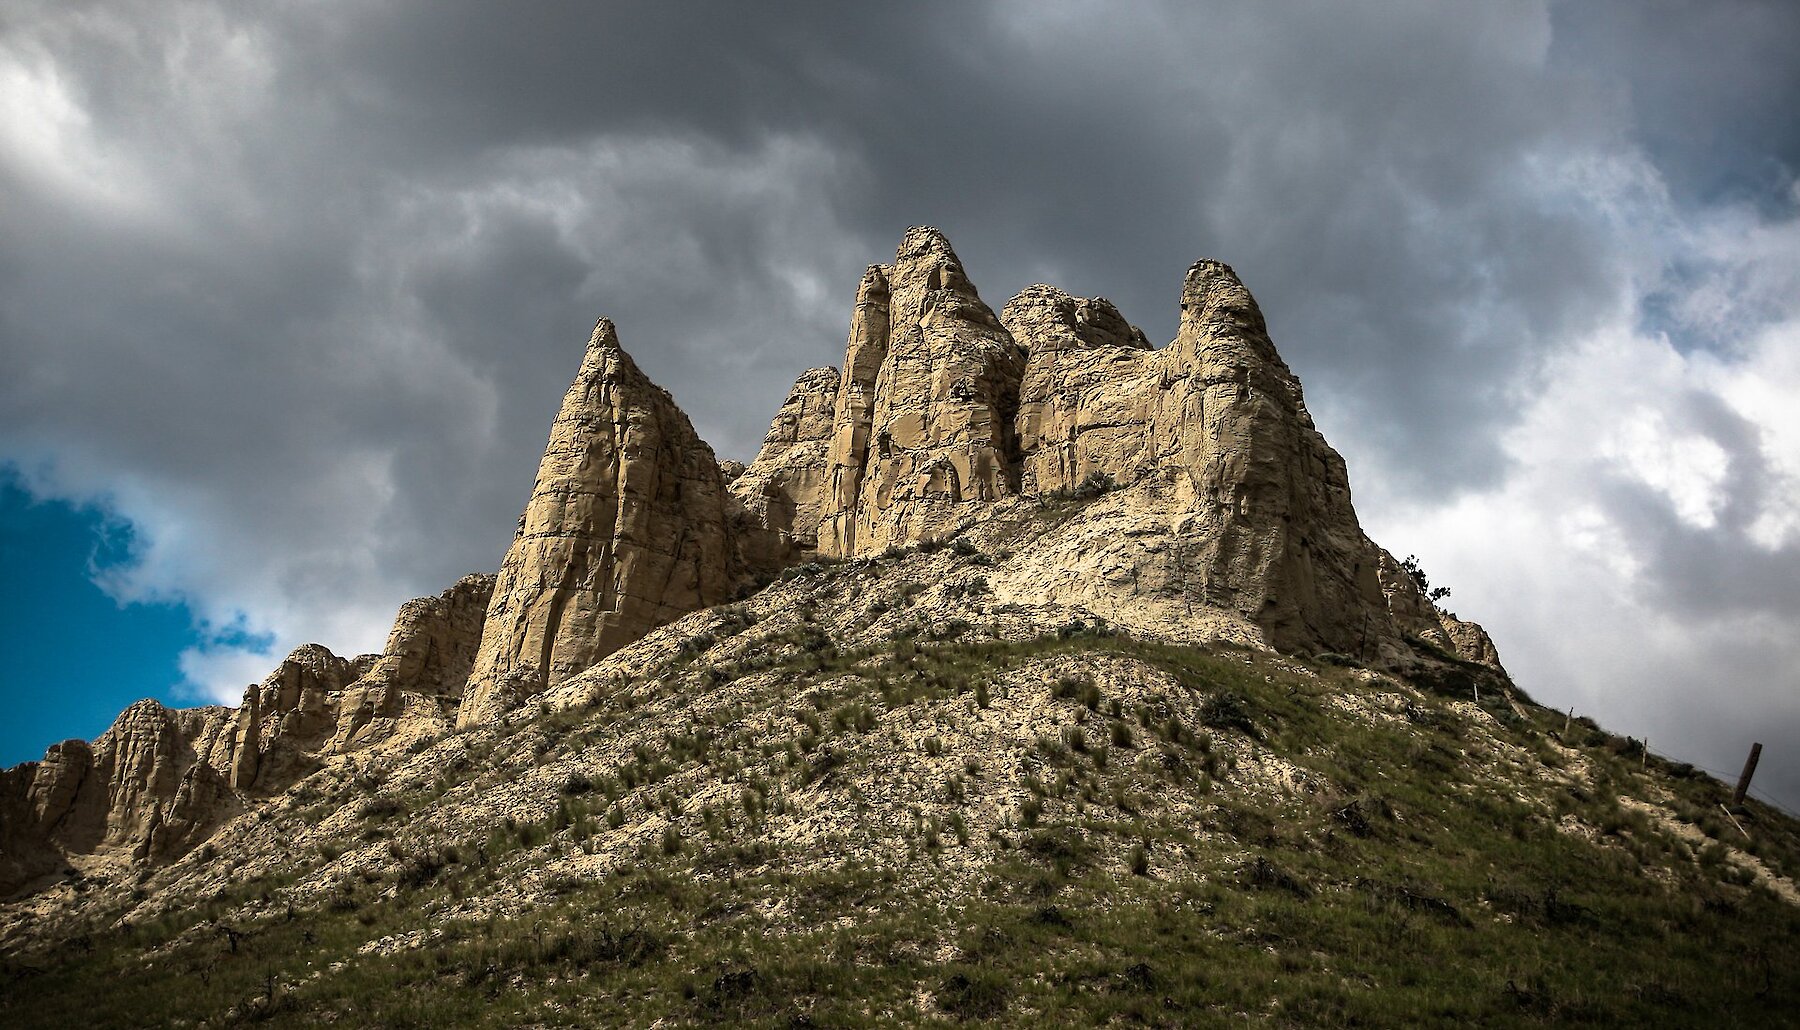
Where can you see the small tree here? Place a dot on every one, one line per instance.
(1432, 594)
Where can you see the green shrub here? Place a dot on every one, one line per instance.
(973, 994)
(1139, 860)
(1230, 711)
(1030, 810)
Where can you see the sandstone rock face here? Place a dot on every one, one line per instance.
(783, 491)
(287, 715)
(1470, 642)
(161, 780)
(848, 453)
(628, 528)
(112, 792)
(1079, 414)
(934, 437)
(1279, 540)
(427, 661)
(1235, 512)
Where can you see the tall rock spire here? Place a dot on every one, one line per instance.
(1278, 538)
(864, 355)
(626, 530)
(939, 429)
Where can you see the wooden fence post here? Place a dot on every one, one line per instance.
(1737, 797)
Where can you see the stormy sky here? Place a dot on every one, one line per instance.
(290, 292)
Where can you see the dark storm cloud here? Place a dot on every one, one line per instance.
(298, 288)
(1713, 86)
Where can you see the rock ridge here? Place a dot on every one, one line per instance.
(160, 780)
(1235, 504)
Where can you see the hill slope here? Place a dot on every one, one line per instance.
(842, 802)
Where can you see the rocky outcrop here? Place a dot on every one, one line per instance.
(288, 716)
(1470, 642)
(1210, 508)
(933, 437)
(160, 780)
(115, 791)
(783, 492)
(848, 453)
(1278, 539)
(628, 527)
(1078, 415)
(1237, 508)
(423, 668)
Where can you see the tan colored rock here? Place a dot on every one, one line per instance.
(1238, 513)
(1470, 642)
(627, 529)
(285, 720)
(84, 796)
(853, 411)
(429, 655)
(1279, 540)
(1237, 505)
(57, 781)
(160, 780)
(1079, 414)
(783, 490)
(202, 800)
(939, 439)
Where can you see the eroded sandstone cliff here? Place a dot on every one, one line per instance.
(930, 433)
(161, 780)
(1235, 515)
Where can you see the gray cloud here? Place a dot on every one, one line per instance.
(300, 288)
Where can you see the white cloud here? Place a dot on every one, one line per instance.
(218, 673)
(1625, 456)
(1686, 468)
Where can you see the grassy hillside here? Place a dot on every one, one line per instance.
(840, 806)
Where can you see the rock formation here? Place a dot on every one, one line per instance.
(931, 435)
(1183, 493)
(1082, 355)
(1239, 506)
(160, 780)
(288, 714)
(848, 453)
(149, 783)
(785, 495)
(627, 528)
(422, 670)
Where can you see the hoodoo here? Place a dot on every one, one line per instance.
(934, 435)
(627, 528)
